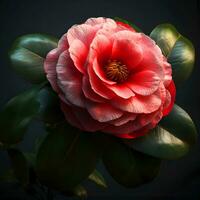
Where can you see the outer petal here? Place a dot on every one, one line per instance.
(126, 117)
(69, 80)
(125, 26)
(86, 121)
(85, 33)
(172, 89)
(134, 134)
(50, 68)
(152, 56)
(167, 72)
(103, 112)
(69, 115)
(138, 104)
(98, 20)
(144, 82)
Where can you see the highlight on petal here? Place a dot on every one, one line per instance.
(99, 20)
(69, 80)
(144, 82)
(85, 33)
(103, 112)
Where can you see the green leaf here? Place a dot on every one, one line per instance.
(19, 165)
(180, 124)
(78, 191)
(28, 53)
(50, 111)
(67, 156)
(17, 115)
(178, 50)
(127, 22)
(171, 139)
(97, 178)
(8, 176)
(128, 167)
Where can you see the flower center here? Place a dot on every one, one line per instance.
(116, 71)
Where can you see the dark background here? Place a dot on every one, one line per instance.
(179, 179)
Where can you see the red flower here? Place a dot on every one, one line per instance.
(110, 78)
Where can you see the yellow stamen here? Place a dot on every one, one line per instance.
(116, 71)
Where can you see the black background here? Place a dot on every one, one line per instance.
(179, 179)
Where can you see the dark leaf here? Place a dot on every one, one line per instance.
(17, 115)
(67, 156)
(28, 53)
(50, 111)
(129, 167)
(19, 165)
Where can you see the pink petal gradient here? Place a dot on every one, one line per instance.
(138, 104)
(103, 112)
(69, 80)
(91, 101)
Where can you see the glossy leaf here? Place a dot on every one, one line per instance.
(19, 165)
(178, 50)
(171, 139)
(129, 167)
(50, 111)
(180, 124)
(97, 178)
(129, 23)
(67, 156)
(17, 115)
(28, 53)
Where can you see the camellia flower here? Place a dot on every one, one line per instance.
(110, 78)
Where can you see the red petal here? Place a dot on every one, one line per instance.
(78, 53)
(144, 82)
(126, 50)
(125, 25)
(89, 93)
(172, 89)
